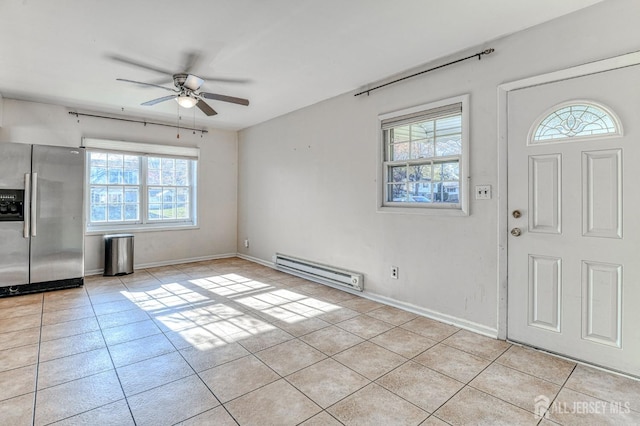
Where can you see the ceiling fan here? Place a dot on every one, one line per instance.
(186, 85)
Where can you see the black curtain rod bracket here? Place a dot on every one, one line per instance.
(475, 55)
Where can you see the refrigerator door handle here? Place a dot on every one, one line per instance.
(27, 196)
(34, 203)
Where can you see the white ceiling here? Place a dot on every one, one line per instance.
(293, 52)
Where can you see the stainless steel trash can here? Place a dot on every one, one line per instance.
(118, 254)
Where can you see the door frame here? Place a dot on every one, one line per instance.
(622, 61)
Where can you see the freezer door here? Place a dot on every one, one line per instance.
(15, 163)
(57, 238)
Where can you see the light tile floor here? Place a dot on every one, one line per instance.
(230, 342)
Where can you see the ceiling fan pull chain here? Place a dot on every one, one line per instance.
(178, 125)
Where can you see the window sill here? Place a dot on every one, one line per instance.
(424, 211)
(137, 229)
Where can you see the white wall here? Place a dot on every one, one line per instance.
(307, 180)
(37, 123)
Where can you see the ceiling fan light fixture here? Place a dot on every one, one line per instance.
(186, 101)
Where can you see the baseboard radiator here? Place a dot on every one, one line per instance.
(318, 272)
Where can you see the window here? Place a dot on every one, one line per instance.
(133, 190)
(425, 156)
(575, 120)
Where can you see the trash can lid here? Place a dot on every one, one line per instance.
(118, 236)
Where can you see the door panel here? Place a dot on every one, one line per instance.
(57, 247)
(14, 248)
(602, 197)
(545, 187)
(573, 271)
(545, 291)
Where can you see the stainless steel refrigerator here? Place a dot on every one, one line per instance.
(41, 218)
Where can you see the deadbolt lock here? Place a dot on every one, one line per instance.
(516, 213)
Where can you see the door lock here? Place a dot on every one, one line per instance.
(516, 232)
(516, 213)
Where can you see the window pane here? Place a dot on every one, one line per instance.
(400, 134)
(168, 211)
(397, 192)
(448, 145)
(182, 211)
(449, 125)
(400, 151)
(131, 195)
(451, 171)
(453, 189)
(98, 195)
(116, 195)
(131, 177)
(131, 162)
(169, 195)
(131, 211)
(422, 148)
(155, 211)
(417, 173)
(98, 159)
(155, 195)
(98, 213)
(98, 175)
(116, 160)
(182, 172)
(576, 120)
(168, 163)
(446, 171)
(168, 177)
(115, 176)
(153, 162)
(115, 212)
(153, 177)
(398, 174)
(419, 192)
(183, 195)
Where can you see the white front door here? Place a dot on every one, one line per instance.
(574, 248)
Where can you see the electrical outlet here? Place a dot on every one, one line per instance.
(394, 272)
(483, 192)
(246, 243)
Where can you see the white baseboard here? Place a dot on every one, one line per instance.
(438, 316)
(256, 260)
(167, 263)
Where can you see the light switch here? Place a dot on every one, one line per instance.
(483, 192)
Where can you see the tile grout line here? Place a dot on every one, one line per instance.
(197, 375)
(35, 390)
(115, 370)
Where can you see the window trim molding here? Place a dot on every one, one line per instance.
(460, 209)
(100, 145)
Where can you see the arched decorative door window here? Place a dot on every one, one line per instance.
(575, 120)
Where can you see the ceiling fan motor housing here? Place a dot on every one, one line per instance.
(188, 81)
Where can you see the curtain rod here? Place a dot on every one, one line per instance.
(478, 55)
(78, 114)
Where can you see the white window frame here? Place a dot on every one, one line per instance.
(444, 209)
(143, 151)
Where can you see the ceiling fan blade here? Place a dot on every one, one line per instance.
(227, 80)
(145, 84)
(157, 101)
(204, 107)
(225, 98)
(139, 64)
